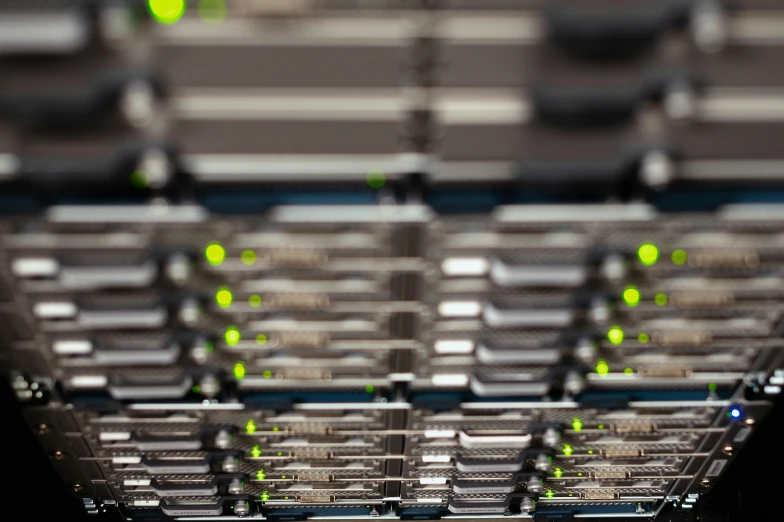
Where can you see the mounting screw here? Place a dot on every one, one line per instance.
(178, 268)
(59, 455)
(137, 105)
(42, 428)
(657, 169)
(727, 450)
(709, 26)
(77, 487)
(705, 483)
(241, 508)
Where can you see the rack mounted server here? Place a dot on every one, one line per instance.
(397, 259)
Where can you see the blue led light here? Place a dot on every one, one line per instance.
(735, 413)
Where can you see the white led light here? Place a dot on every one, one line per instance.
(432, 480)
(136, 482)
(58, 310)
(453, 347)
(89, 381)
(440, 434)
(35, 267)
(465, 266)
(126, 460)
(114, 435)
(73, 347)
(436, 458)
(449, 379)
(460, 308)
(150, 503)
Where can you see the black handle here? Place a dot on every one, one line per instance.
(480, 487)
(198, 489)
(616, 176)
(486, 353)
(483, 465)
(463, 486)
(510, 388)
(77, 110)
(469, 464)
(574, 108)
(186, 510)
(612, 34)
(501, 506)
(181, 443)
(166, 390)
(176, 467)
(604, 107)
(118, 172)
(605, 177)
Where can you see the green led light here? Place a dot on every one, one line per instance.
(577, 424)
(209, 346)
(712, 387)
(628, 371)
(265, 496)
(232, 335)
(248, 257)
(558, 473)
(370, 388)
(215, 254)
(250, 427)
(239, 370)
(376, 179)
(280, 454)
(255, 452)
(196, 388)
(660, 299)
(648, 254)
(602, 368)
(260, 475)
(254, 301)
(261, 339)
(267, 374)
(601, 426)
(224, 297)
(643, 338)
(580, 474)
(567, 450)
(275, 429)
(679, 257)
(550, 493)
(590, 452)
(139, 179)
(615, 335)
(212, 11)
(283, 476)
(631, 296)
(166, 11)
